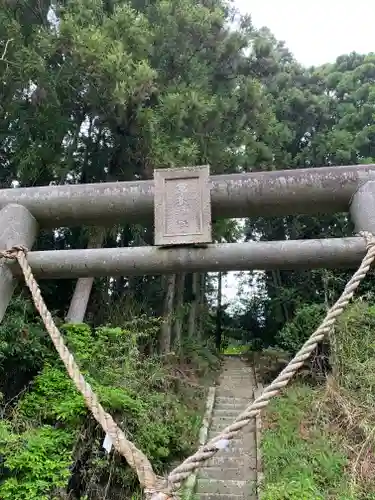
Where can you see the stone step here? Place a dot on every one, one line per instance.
(219, 422)
(220, 400)
(233, 443)
(247, 431)
(234, 452)
(222, 419)
(230, 409)
(228, 474)
(237, 369)
(233, 400)
(242, 438)
(223, 487)
(227, 412)
(236, 366)
(236, 380)
(237, 373)
(222, 415)
(231, 474)
(225, 462)
(219, 496)
(234, 393)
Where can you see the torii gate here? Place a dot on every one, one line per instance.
(181, 201)
(182, 213)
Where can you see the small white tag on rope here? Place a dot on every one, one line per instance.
(107, 443)
(222, 444)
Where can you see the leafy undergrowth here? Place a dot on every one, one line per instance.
(49, 440)
(318, 440)
(301, 459)
(235, 350)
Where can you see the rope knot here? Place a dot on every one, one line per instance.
(369, 238)
(161, 496)
(11, 253)
(161, 491)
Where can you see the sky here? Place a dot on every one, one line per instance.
(316, 32)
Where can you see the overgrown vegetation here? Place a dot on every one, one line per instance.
(99, 91)
(300, 459)
(51, 448)
(318, 439)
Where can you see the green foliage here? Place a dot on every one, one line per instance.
(121, 88)
(22, 336)
(24, 346)
(45, 439)
(36, 462)
(353, 354)
(318, 441)
(201, 356)
(296, 332)
(41, 405)
(236, 349)
(322, 118)
(301, 459)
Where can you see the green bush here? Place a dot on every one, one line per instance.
(24, 346)
(35, 462)
(296, 332)
(301, 460)
(52, 431)
(318, 441)
(200, 355)
(291, 489)
(236, 349)
(353, 352)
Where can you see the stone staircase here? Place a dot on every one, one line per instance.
(232, 473)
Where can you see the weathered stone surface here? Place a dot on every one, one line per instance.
(231, 474)
(182, 206)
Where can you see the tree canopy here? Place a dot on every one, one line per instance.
(109, 90)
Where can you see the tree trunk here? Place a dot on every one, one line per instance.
(203, 287)
(202, 309)
(81, 295)
(192, 322)
(166, 327)
(180, 289)
(277, 284)
(219, 326)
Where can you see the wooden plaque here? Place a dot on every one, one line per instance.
(182, 206)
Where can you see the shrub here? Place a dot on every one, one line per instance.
(24, 347)
(36, 462)
(301, 459)
(353, 352)
(236, 349)
(53, 435)
(296, 332)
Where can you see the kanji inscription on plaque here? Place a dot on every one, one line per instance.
(182, 206)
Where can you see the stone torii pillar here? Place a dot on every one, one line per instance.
(362, 207)
(17, 227)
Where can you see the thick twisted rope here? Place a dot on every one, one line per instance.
(154, 488)
(135, 458)
(207, 451)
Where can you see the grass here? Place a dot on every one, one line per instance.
(51, 446)
(302, 460)
(318, 442)
(235, 350)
